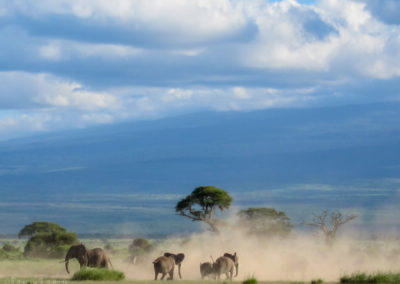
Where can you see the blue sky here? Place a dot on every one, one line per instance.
(74, 64)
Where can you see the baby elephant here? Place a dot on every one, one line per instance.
(206, 269)
(166, 264)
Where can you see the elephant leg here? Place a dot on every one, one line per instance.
(171, 275)
(163, 275)
(155, 275)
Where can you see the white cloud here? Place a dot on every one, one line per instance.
(241, 93)
(177, 95)
(280, 40)
(67, 49)
(181, 20)
(359, 47)
(50, 51)
(33, 90)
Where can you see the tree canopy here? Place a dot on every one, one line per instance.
(265, 222)
(202, 203)
(40, 227)
(47, 239)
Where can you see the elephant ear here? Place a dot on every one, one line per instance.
(232, 256)
(168, 254)
(179, 258)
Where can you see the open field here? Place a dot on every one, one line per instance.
(297, 259)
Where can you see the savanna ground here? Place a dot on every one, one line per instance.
(294, 260)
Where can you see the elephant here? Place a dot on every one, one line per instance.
(165, 265)
(235, 260)
(87, 257)
(223, 265)
(178, 260)
(206, 269)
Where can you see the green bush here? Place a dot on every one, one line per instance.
(377, 278)
(101, 274)
(10, 248)
(10, 252)
(251, 280)
(317, 281)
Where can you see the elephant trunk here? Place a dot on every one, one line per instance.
(179, 271)
(237, 269)
(66, 263)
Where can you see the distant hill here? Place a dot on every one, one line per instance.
(232, 150)
(237, 151)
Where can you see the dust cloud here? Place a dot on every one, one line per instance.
(300, 257)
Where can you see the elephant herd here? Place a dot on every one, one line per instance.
(223, 265)
(162, 265)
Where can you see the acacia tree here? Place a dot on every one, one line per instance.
(202, 203)
(328, 224)
(265, 222)
(46, 239)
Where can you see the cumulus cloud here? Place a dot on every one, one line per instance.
(34, 90)
(99, 62)
(171, 22)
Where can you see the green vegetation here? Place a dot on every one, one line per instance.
(9, 251)
(98, 274)
(265, 222)
(251, 280)
(201, 204)
(317, 281)
(47, 240)
(378, 278)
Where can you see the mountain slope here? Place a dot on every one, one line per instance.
(232, 150)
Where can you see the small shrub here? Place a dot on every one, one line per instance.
(251, 280)
(10, 252)
(317, 281)
(101, 274)
(10, 248)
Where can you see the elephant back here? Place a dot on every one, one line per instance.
(223, 264)
(97, 257)
(164, 264)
